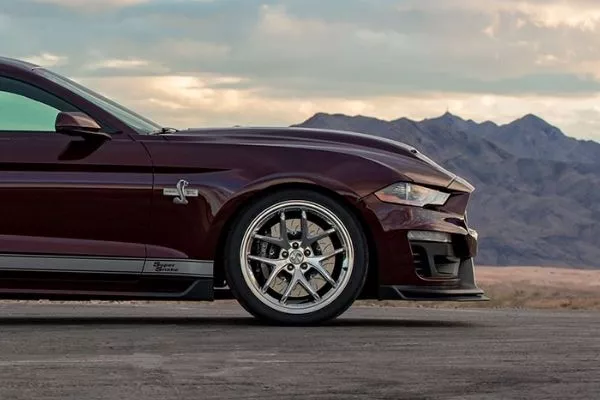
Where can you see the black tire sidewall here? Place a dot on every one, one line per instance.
(243, 293)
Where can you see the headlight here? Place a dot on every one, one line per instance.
(412, 195)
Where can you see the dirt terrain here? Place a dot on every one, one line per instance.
(537, 287)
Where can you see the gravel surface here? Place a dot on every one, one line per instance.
(213, 351)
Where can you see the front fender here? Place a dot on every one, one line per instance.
(268, 184)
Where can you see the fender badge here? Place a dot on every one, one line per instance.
(181, 192)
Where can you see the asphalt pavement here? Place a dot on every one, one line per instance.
(216, 351)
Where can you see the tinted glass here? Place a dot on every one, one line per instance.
(18, 113)
(24, 107)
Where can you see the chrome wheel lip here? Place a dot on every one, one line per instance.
(334, 291)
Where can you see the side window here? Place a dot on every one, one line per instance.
(18, 113)
(26, 108)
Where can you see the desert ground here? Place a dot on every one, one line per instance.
(529, 287)
(541, 287)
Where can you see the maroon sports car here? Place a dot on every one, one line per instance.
(101, 203)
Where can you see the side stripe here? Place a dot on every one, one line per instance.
(52, 263)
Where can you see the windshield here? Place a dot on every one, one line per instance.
(135, 121)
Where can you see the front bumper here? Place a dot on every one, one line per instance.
(465, 290)
(418, 267)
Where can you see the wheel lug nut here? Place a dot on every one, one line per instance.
(304, 266)
(284, 254)
(290, 267)
(307, 252)
(295, 245)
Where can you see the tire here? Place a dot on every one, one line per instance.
(325, 250)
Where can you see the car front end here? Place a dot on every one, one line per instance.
(413, 210)
(424, 247)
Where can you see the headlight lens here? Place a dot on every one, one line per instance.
(411, 194)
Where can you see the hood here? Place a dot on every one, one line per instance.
(391, 153)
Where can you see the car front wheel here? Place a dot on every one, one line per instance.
(296, 257)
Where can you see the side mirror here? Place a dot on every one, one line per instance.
(79, 124)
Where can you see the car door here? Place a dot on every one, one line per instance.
(67, 204)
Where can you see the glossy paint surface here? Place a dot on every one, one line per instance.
(65, 195)
(84, 198)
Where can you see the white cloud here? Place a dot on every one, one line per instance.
(116, 63)
(190, 48)
(277, 61)
(584, 16)
(547, 59)
(47, 60)
(192, 101)
(388, 38)
(275, 20)
(580, 14)
(93, 5)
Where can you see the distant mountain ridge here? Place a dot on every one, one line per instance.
(537, 198)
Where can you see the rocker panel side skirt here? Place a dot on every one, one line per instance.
(51, 276)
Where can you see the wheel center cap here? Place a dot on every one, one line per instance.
(296, 257)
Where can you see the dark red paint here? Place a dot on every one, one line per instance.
(66, 195)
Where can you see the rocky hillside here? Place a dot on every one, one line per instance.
(537, 200)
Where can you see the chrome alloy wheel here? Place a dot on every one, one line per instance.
(297, 257)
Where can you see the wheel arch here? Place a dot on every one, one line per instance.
(350, 203)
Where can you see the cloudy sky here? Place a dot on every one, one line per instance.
(272, 62)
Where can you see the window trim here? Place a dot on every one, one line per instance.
(92, 97)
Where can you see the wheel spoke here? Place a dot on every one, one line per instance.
(323, 272)
(270, 239)
(283, 231)
(269, 261)
(335, 253)
(312, 239)
(306, 284)
(304, 228)
(288, 290)
(274, 273)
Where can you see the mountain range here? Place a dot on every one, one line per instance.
(537, 197)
